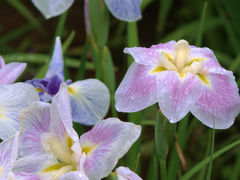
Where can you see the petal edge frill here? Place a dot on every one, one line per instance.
(137, 90)
(220, 102)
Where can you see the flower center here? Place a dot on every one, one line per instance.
(63, 153)
(181, 62)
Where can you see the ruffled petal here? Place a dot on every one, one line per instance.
(218, 104)
(2, 62)
(137, 90)
(56, 64)
(125, 10)
(10, 72)
(35, 121)
(41, 165)
(26, 176)
(60, 112)
(14, 99)
(105, 144)
(124, 173)
(8, 154)
(150, 56)
(90, 101)
(51, 8)
(176, 94)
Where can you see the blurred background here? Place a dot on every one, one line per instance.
(25, 36)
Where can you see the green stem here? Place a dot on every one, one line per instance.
(201, 25)
(163, 169)
(211, 155)
(204, 162)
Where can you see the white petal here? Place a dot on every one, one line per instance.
(14, 99)
(89, 101)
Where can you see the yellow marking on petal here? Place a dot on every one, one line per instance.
(181, 74)
(204, 79)
(169, 57)
(158, 69)
(53, 167)
(88, 149)
(71, 90)
(69, 142)
(1, 170)
(2, 116)
(195, 60)
(39, 89)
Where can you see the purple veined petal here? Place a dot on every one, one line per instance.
(124, 9)
(14, 99)
(8, 154)
(51, 8)
(61, 117)
(176, 95)
(35, 120)
(90, 101)
(36, 165)
(26, 176)
(137, 90)
(56, 64)
(10, 72)
(124, 173)
(2, 62)
(150, 56)
(220, 103)
(105, 144)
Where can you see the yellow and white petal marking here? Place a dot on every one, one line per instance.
(181, 62)
(63, 153)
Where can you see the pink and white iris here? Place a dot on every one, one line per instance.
(181, 78)
(51, 149)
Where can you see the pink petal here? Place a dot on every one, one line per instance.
(105, 144)
(149, 56)
(2, 63)
(220, 103)
(176, 95)
(10, 72)
(35, 121)
(124, 173)
(137, 90)
(207, 54)
(8, 153)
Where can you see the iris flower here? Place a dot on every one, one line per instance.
(14, 99)
(10, 72)
(8, 156)
(181, 78)
(122, 9)
(124, 173)
(89, 98)
(51, 149)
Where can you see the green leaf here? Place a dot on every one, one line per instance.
(109, 76)
(195, 169)
(99, 20)
(164, 135)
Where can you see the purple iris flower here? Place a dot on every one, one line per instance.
(90, 98)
